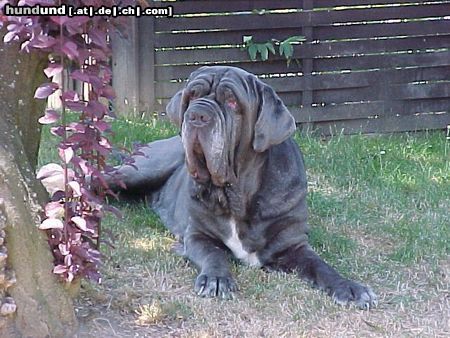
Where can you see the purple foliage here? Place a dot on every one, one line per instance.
(73, 216)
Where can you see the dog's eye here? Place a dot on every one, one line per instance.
(231, 103)
(195, 93)
(230, 99)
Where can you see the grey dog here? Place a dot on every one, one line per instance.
(234, 182)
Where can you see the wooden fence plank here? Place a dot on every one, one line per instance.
(211, 38)
(340, 3)
(419, 28)
(125, 68)
(364, 47)
(167, 73)
(338, 95)
(328, 17)
(337, 112)
(307, 63)
(387, 124)
(383, 91)
(281, 85)
(407, 75)
(193, 7)
(146, 65)
(232, 22)
(408, 107)
(431, 59)
(307, 18)
(420, 91)
(200, 56)
(367, 109)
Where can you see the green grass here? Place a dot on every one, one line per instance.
(379, 212)
(128, 132)
(393, 186)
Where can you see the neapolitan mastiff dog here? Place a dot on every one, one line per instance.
(234, 182)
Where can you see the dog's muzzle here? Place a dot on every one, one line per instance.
(201, 112)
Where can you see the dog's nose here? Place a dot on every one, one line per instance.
(199, 118)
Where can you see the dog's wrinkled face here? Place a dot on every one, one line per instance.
(224, 112)
(210, 128)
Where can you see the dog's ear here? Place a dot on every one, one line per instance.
(274, 123)
(175, 108)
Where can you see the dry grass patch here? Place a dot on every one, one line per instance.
(154, 298)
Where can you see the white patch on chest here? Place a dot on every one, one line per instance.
(235, 245)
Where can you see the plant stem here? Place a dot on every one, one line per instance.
(64, 125)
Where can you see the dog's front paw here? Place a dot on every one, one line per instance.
(349, 291)
(215, 286)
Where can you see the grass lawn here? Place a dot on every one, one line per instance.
(379, 212)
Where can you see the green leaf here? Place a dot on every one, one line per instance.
(270, 47)
(294, 39)
(281, 49)
(286, 49)
(247, 38)
(252, 50)
(264, 51)
(265, 54)
(290, 51)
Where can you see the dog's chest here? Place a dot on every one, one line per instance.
(236, 246)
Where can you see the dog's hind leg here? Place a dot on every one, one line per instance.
(149, 168)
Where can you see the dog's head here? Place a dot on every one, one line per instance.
(224, 113)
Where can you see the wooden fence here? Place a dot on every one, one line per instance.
(366, 65)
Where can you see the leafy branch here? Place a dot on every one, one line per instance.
(285, 47)
(72, 217)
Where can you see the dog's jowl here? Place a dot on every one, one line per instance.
(234, 182)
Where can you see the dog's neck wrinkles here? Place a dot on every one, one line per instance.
(233, 199)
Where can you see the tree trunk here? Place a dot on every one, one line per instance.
(32, 302)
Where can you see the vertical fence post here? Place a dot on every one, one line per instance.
(146, 28)
(125, 68)
(307, 65)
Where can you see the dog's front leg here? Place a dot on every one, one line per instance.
(215, 278)
(311, 267)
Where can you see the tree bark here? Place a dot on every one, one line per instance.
(32, 302)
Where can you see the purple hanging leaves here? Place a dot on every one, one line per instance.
(50, 116)
(59, 20)
(10, 36)
(51, 223)
(76, 188)
(80, 222)
(74, 213)
(79, 75)
(45, 90)
(49, 170)
(66, 154)
(53, 69)
(54, 210)
(70, 49)
(98, 37)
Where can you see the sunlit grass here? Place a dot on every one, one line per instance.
(394, 186)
